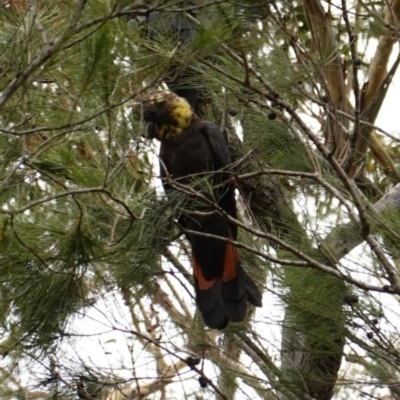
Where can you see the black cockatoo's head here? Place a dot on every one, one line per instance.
(167, 113)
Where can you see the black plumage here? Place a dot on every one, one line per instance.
(192, 149)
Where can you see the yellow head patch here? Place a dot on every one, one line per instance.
(170, 113)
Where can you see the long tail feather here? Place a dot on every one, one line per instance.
(224, 299)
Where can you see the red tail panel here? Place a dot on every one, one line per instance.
(202, 283)
(223, 298)
(231, 262)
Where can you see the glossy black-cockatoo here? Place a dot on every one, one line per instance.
(191, 147)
